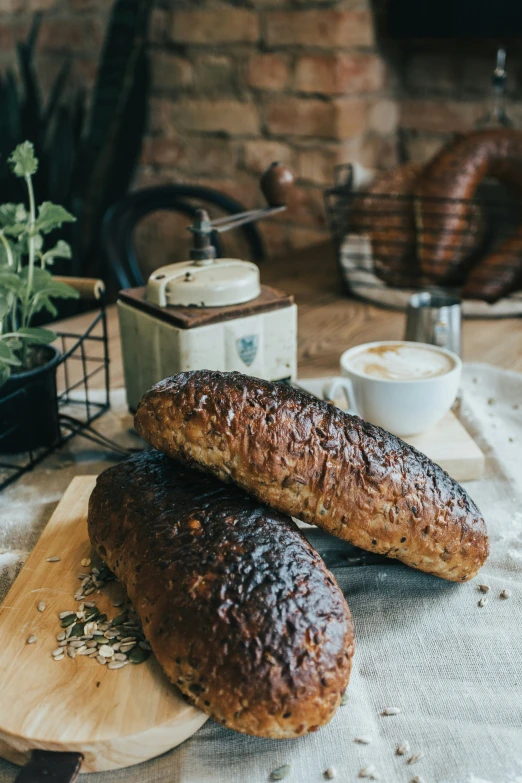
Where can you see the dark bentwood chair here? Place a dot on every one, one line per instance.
(121, 219)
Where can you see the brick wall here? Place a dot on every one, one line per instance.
(239, 84)
(237, 87)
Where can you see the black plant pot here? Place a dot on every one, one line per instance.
(29, 407)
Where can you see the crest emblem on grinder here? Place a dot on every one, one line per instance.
(247, 348)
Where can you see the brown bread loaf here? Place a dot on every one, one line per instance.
(447, 229)
(306, 458)
(240, 611)
(497, 274)
(384, 213)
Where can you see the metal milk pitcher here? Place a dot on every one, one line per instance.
(435, 319)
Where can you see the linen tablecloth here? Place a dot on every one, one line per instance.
(423, 645)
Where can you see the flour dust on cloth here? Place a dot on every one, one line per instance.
(423, 645)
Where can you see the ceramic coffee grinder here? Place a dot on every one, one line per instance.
(210, 313)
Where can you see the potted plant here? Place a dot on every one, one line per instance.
(28, 399)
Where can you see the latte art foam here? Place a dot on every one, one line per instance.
(401, 362)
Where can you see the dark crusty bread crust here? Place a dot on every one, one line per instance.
(306, 458)
(240, 611)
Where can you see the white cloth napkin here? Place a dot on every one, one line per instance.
(423, 645)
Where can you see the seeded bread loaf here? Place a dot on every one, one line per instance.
(306, 458)
(240, 611)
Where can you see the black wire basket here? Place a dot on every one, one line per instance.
(82, 364)
(378, 248)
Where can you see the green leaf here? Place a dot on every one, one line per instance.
(43, 303)
(61, 290)
(10, 281)
(37, 335)
(14, 343)
(51, 216)
(16, 230)
(7, 355)
(12, 213)
(4, 305)
(5, 372)
(60, 250)
(41, 278)
(23, 160)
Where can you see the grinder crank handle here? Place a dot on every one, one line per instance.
(48, 766)
(276, 184)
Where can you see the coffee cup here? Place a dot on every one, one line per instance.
(404, 387)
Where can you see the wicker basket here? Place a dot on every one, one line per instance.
(360, 267)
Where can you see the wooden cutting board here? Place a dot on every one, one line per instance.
(451, 446)
(114, 717)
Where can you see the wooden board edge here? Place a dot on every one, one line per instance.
(112, 753)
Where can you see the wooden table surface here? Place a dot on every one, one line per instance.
(329, 322)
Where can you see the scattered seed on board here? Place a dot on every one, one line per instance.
(116, 664)
(53, 559)
(391, 711)
(416, 756)
(364, 740)
(504, 594)
(369, 772)
(483, 602)
(41, 606)
(402, 749)
(330, 773)
(281, 772)
(31, 639)
(56, 652)
(483, 588)
(86, 562)
(344, 699)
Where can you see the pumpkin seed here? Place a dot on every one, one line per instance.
(137, 655)
(117, 664)
(30, 639)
